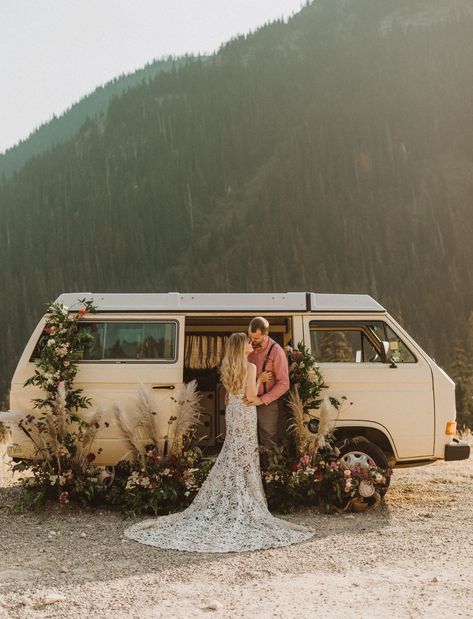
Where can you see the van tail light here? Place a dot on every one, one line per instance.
(451, 428)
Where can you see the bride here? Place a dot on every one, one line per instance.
(229, 513)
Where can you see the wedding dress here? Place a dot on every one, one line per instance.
(229, 513)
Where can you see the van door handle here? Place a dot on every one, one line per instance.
(164, 387)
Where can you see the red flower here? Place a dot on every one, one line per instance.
(47, 330)
(298, 355)
(90, 457)
(82, 311)
(64, 498)
(295, 467)
(153, 483)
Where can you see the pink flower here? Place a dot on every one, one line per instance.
(347, 473)
(64, 498)
(305, 460)
(333, 465)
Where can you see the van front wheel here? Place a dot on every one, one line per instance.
(359, 451)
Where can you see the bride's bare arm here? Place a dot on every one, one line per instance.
(251, 385)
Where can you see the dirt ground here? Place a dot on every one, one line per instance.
(411, 557)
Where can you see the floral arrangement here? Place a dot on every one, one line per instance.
(63, 467)
(160, 485)
(305, 377)
(325, 481)
(304, 396)
(59, 348)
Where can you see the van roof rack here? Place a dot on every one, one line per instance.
(198, 302)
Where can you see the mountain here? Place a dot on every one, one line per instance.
(331, 153)
(60, 128)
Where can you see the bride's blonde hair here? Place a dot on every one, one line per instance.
(234, 368)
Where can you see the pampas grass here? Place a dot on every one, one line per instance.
(128, 431)
(297, 427)
(83, 446)
(150, 417)
(4, 433)
(326, 424)
(187, 415)
(307, 443)
(184, 415)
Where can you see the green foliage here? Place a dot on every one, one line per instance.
(59, 348)
(306, 377)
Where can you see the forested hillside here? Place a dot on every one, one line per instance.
(61, 128)
(333, 153)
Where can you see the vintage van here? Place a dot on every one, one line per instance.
(403, 403)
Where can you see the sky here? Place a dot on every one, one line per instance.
(53, 52)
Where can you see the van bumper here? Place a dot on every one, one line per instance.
(457, 450)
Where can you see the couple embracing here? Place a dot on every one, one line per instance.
(230, 512)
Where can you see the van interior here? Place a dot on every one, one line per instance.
(205, 339)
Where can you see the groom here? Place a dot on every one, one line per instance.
(271, 366)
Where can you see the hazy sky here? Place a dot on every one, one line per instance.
(52, 52)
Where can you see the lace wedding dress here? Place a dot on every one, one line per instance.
(229, 513)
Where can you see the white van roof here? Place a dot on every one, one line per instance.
(254, 302)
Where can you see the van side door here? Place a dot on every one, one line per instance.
(125, 352)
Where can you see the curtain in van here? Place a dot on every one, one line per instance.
(204, 351)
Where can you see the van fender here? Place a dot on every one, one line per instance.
(368, 432)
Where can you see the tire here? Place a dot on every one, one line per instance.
(359, 450)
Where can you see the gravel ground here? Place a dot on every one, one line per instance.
(411, 557)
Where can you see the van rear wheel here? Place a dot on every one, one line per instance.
(358, 451)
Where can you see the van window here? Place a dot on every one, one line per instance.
(125, 341)
(130, 341)
(352, 342)
(349, 345)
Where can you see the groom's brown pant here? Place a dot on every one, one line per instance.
(268, 424)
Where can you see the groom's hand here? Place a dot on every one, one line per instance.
(257, 401)
(265, 377)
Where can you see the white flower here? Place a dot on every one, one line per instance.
(53, 479)
(166, 472)
(51, 342)
(62, 480)
(60, 351)
(64, 310)
(186, 493)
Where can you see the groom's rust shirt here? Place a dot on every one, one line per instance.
(277, 364)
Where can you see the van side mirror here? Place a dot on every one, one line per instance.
(387, 354)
